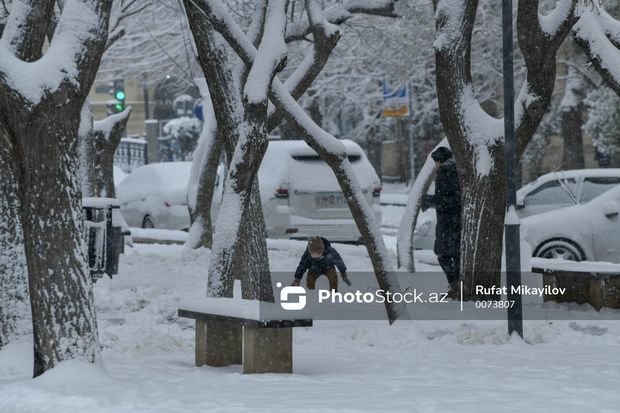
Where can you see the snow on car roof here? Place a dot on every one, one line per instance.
(279, 167)
(166, 179)
(301, 148)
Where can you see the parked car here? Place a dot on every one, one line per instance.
(155, 196)
(548, 192)
(588, 231)
(301, 196)
(299, 193)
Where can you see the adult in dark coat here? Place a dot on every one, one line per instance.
(447, 203)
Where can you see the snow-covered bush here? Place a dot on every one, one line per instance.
(184, 131)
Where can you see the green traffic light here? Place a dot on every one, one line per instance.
(118, 107)
(120, 95)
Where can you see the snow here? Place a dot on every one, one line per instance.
(552, 22)
(271, 51)
(485, 131)
(511, 217)
(106, 125)
(339, 366)
(279, 167)
(582, 266)
(239, 308)
(78, 23)
(154, 235)
(450, 12)
(590, 30)
(119, 175)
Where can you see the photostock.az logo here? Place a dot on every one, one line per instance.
(294, 291)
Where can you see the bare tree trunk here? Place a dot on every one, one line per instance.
(99, 148)
(250, 258)
(42, 132)
(482, 228)
(61, 295)
(14, 304)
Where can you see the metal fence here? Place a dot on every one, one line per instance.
(131, 153)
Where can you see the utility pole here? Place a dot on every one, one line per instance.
(511, 231)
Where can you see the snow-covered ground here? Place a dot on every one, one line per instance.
(340, 366)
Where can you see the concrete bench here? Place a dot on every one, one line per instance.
(257, 335)
(597, 284)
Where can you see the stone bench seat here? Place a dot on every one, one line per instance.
(257, 335)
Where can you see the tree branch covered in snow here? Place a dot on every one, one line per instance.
(339, 14)
(328, 147)
(598, 33)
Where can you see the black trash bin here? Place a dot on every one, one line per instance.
(104, 235)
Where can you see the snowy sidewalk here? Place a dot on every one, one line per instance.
(353, 366)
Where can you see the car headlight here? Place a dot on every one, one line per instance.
(423, 228)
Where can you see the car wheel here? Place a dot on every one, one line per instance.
(561, 249)
(148, 223)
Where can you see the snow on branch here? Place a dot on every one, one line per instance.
(26, 27)
(340, 14)
(552, 23)
(593, 32)
(106, 125)
(326, 36)
(76, 43)
(271, 56)
(451, 17)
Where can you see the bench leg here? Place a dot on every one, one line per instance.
(267, 350)
(217, 343)
(201, 343)
(224, 342)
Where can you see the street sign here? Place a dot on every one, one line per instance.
(395, 101)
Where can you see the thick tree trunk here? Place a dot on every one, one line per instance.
(249, 264)
(482, 229)
(42, 130)
(61, 297)
(14, 305)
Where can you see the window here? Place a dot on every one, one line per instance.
(594, 186)
(552, 192)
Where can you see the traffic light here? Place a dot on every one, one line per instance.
(119, 94)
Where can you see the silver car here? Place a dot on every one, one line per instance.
(549, 192)
(301, 196)
(155, 196)
(589, 231)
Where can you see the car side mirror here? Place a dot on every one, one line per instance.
(611, 209)
(520, 203)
